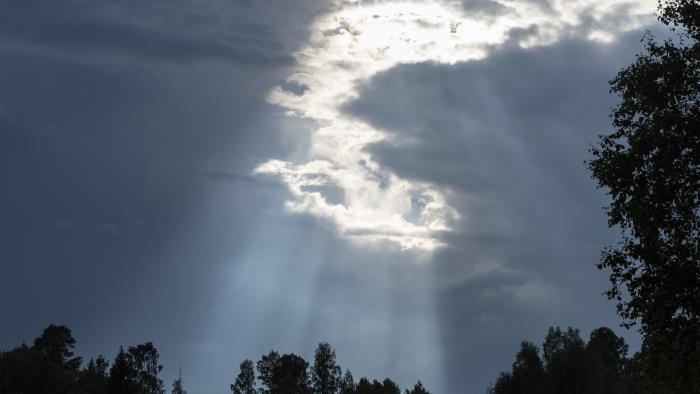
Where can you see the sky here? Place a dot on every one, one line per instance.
(402, 179)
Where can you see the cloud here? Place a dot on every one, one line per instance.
(65, 223)
(358, 41)
(476, 128)
(220, 31)
(107, 228)
(504, 138)
(139, 222)
(485, 8)
(366, 216)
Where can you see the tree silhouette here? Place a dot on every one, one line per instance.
(266, 366)
(122, 374)
(417, 389)
(608, 354)
(325, 373)
(27, 371)
(682, 13)
(136, 371)
(390, 387)
(57, 342)
(291, 376)
(347, 383)
(145, 362)
(365, 387)
(528, 376)
(93, 379)
(503, 384)
(650, 166)
(48, 367)
(567, 361)
(570, 365)
(177, 385)
(557, 342)
(245, 381)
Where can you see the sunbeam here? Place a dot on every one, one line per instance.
(361, 39)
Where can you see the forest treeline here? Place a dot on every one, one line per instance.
(568, 364)
(49, 366)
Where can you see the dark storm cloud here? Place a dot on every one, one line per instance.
(506, 138)
(107, 111)
(508, 127)
(177, 32)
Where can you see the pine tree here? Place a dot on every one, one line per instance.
(347, 384)
(245, 381)
(266, 367)
(56, 342)
(325, 373)
(418, 389)
(177, 385)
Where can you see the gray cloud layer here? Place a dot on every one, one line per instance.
(507, 137)
(239, 33)
(147, 119)
(108, 115)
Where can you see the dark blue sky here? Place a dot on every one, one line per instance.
(134, 208)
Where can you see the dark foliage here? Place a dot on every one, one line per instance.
(144, 359)
(325, 373)
(57, 342)
(528, 375)
(650, 166)
(681, 13)
(290, 374)
(49, 367)
(245, 381)
(136, 371)
(418, 389)
(607, 356)
(93, 379)
(122, 375)
(28, 371)
(177, 387)
(570, 366)
(347, 384)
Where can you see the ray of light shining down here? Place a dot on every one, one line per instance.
(360, 39)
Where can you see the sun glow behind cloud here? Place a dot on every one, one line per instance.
(362, 38)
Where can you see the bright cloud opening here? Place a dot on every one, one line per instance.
(362, 38)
